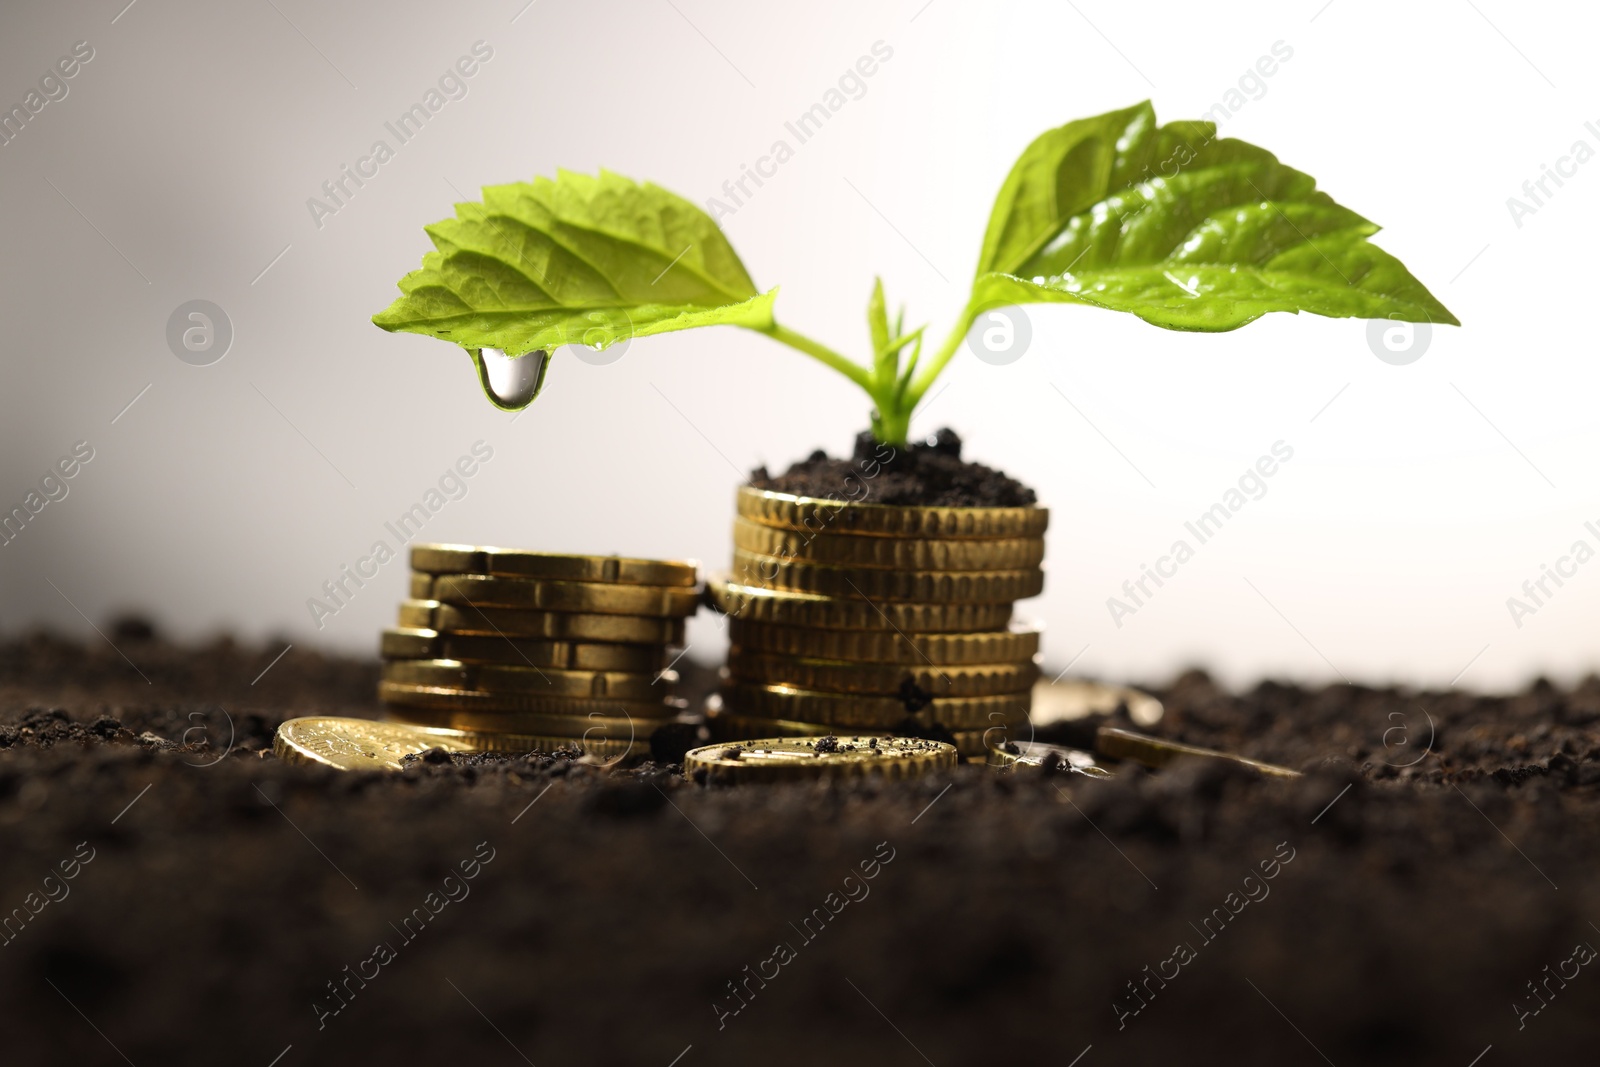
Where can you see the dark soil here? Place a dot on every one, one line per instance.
(929, 473)
(609, 912)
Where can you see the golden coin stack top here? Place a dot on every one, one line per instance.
(557, 650)
(863, 618)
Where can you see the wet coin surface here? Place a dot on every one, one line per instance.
(367, 745)
(791, 758)
(1016, 756)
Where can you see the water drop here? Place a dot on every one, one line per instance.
(512, 382)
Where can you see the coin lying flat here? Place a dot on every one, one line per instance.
(790, 759)
(509, 562)
(1158, 752)
(531, 594)
(491, 678)
(427, 614)
(1015, 756)
(877, 583)
(594, 728)
(520, 652)
(756, 604)
(866, 712)
(855, 550)
(477, 701)
(883, 679)
(1070, 699)
(727, 725)
(367, 745)
(1016, 645)
(815, 515)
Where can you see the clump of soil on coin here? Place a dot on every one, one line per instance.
(227, 889)
(928, 473)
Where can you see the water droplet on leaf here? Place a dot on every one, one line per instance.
(512, 382)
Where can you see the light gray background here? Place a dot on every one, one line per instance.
(182, 158)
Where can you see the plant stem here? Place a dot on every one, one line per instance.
(931, 369)
(855, 372)
(894, 426)
(894, 402)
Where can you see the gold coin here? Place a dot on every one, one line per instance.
(516, 563)
(478, 701)
(421, 586)
(425, 614)
(590, 729)
(1064, 701)
(1158, 752)
(755, 604)
(532, 681)
(515, 652)
(790, 759)
(368, 745)
(855, 550)
(1017, 645)
(409, 642)
(968, 743)
(873, 584)
(531, 594)
(816, 515)
(1014, 756)
(977, 744)
(844, 676)
(866, 712)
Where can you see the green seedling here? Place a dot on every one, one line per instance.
(1184, 229)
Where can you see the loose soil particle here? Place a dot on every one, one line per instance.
(226, 892)
(929, 473)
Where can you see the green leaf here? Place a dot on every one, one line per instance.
(883, 360)
(574, 260)
(1185, 230)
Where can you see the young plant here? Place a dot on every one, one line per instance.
(1186, 230)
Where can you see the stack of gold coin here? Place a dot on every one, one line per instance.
(564, 650)
(861, 618)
